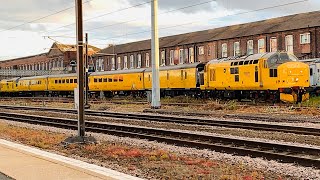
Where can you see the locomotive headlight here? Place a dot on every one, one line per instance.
(297, 79)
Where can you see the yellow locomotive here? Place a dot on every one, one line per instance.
(275, 76)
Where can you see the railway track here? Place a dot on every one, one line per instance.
(183, 120)
(305, 156)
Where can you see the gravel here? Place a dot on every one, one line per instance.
(256, 163)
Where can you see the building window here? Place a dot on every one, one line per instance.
(305, 38)
(119, 63)
(47, 66)
(171, 57)
(139, 61)
(236, 49)
(250, 47)
(97, 64)
(273, 44)
(61, 63)
(113, 63)
(224, 51)
(201, 50)
(181, 56)
(209, 50)
(261, 46)
(43, 68)
(289, 43)
(147, 60)
(125, 62)
(131, 61)
(163, 58)
(191, 55)
(186, 56)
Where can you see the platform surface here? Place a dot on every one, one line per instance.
(23, 162)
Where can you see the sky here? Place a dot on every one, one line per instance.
(28, 27)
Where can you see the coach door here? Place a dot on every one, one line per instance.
(313, 76)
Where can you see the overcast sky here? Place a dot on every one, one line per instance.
(122, 21)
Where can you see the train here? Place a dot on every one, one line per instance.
(275, 76)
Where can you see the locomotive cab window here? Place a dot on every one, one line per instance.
(273, 73)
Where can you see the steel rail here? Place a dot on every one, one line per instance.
(183, 120)
(303, 155)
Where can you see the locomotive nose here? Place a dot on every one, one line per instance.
(295, 74)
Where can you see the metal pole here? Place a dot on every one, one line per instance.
(155, 56)
(81, 125)
(86, 72)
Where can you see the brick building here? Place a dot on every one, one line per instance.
(59, 57)
(299, 33)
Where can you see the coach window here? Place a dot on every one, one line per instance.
(255, 61)
(63, 81)
(75, 81)
(181, 75)
(100, 79)
(115, 79)
(109, 79)
(67, 81)
(241, 63)
(235, 63)
(121, 79)
(60, 81)
(236, 78)
(95, 80)
(56, 81)
(71, 81)
(246, 62)
(105, 80)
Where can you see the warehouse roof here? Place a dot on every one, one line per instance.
(296, 21)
